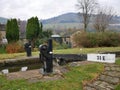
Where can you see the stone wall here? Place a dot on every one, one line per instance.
(71, 57)
(24, 61)
(33, 60)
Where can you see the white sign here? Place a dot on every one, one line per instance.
(106, 58)
(5, 71)
(24, 68)
(4, 41)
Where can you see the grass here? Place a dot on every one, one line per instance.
(15, 55)
(72, 80)
(118, 61)
(63, 51)
(2, 50)
(86, 50)
(117, 87)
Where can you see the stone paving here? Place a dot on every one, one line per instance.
(37, 75)
(107, 80)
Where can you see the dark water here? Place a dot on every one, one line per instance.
(18, 68)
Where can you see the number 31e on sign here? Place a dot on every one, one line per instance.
(107, 58)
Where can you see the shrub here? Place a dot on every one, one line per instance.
(14, 47)
(77, 38)
(93, 42)
(106, 39)
(57, 45)
(40, 41)
(80, 39)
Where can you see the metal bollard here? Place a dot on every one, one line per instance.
(50, 59)
(46, 57)
(28, 49)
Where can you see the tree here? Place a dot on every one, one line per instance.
(87, 7)
(15, 30)
(12, 30)
(41, 30)
(33, 29)
(103, 18)
(0, 38)
(47, 33)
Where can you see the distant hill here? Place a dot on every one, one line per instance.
(68, 20)
(64, 18)
(73, 18)
(3, 20)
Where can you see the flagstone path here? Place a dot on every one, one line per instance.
(107, 80)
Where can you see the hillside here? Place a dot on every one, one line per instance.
(73, 18)
(69, 20)
(3, 20)
(64, 18)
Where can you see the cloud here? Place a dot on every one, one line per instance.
(42, 8)
(112, 3)
(25, 9)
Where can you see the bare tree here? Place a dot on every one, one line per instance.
(87, 7)
(103, 18)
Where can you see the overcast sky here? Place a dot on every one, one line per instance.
(43, 9)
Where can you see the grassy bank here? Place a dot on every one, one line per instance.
(87, 50)
(118, 63)
(63, 51)
(72, 80)
(16, 55)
